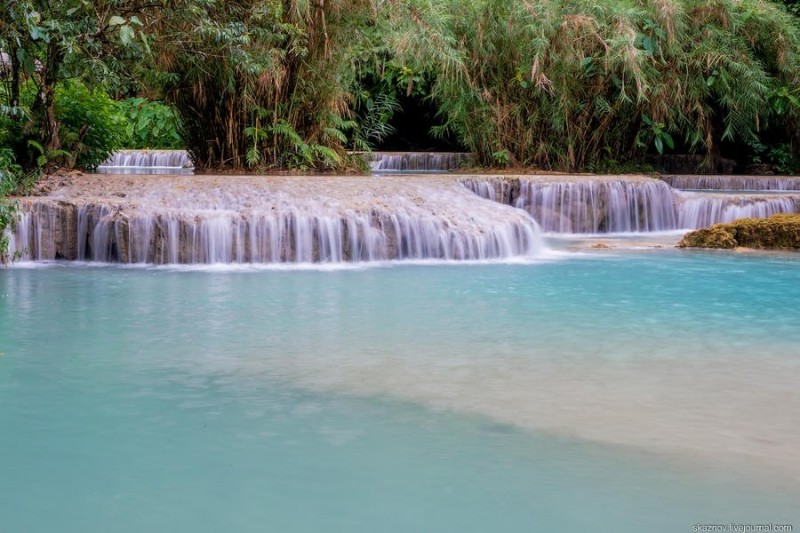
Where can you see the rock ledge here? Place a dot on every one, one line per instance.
(778, 232)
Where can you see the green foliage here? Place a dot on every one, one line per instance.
(48, 44)
(8, 220)
(792, 6)
(44, 157)
(501, 158)
(657, 132)
(374, 113)
(9, 216)
(150, 125)
(778, 156)
(293, 83)
(564, 84)
(382, 82)
(607, 165)
(10, 173)
(91, 126)
(263, 84)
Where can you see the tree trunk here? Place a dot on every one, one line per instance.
(45, 103)
(15, 80)
(51, 133)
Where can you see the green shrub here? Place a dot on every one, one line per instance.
(150, 124)
(9, 174)
(91, 125)
(8, 220)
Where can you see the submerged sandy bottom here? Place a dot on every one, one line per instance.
(736, 413)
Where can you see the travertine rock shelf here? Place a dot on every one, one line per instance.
(268, 219)
(275, 219)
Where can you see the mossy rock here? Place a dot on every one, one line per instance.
(717, 236)
(778, 232)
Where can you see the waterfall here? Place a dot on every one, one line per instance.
(603, 205)
(587, 205)
(734, 183)
(697, 210)
(147, 162)
(599, 206)
(417, 162)
(328, 219)
(343, 220)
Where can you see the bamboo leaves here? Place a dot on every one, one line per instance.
(275, 93)
(623, 78)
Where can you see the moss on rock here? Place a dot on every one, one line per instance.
(776, 232)
(717, 236)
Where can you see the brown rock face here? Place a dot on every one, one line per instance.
(778, 232)
(58, 220)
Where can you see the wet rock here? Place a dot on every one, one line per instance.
(716, 236)
(778, 232)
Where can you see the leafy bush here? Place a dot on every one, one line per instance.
(91, 125)
(374, 112)
(150, 125)
(8, 221)
(9, 173)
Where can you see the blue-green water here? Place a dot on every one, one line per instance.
(570, 395)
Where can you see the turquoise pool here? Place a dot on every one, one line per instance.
(611, 392)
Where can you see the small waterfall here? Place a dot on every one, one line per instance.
(734, 183)
(417, 162)
(698, 210)
(405, 220)
(148, 162)
(502, 190)
(601, 205)
(587, 205)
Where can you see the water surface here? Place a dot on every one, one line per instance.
(608, 392)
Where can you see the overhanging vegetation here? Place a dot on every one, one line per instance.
(560, 84)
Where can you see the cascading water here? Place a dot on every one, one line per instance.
(417, 162)
(699, 210)
(611, 205)
(734, 183)
(587, 205)
(148, 162)
(599, 206)
(271, 220)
